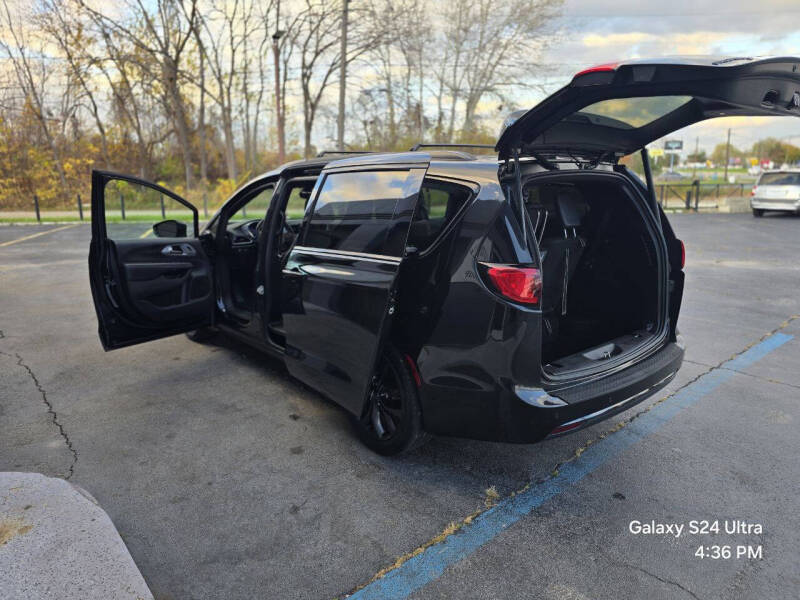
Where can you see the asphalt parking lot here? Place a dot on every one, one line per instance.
(227, 479)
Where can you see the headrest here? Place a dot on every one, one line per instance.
(571, 206)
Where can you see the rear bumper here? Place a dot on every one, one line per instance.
(510, 413)
(772, 204)
(576, 406)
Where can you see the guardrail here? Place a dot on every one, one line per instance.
(688, 195)
(669, 195)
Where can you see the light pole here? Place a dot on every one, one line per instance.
(276, 52)
(342, 79)
(727, 154)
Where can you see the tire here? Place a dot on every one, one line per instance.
(392, 420)
(202, 335)
(758, 212)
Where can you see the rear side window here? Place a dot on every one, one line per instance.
(355, 212)
(439, 202)
(779, 179)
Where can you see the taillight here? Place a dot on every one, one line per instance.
(683, 254)
(753, 191)
(520, 284)
(598, 69)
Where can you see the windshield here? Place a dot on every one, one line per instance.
(779, 179)
(635, 112)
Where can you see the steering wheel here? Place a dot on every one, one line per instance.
(247, 232)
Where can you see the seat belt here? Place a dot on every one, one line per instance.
(566, 282)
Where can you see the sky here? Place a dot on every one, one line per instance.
(598, 31)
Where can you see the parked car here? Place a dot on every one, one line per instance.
(776, 190)
(511, 297)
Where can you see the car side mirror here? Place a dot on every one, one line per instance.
(170, 229)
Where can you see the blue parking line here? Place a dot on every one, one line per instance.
(430, 564)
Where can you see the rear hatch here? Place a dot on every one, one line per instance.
(612, 110)
(778, 186)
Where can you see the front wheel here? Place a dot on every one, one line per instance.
(758, 212)
(392, 420)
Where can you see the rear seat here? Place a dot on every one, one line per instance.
(561, 254)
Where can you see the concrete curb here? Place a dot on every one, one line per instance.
(56, 542)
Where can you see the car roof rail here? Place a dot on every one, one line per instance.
(333, 152)
(419, 146)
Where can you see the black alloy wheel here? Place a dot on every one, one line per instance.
(392, 420)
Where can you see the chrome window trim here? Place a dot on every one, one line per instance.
(382, 258)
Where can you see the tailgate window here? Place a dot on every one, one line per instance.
(779, 179)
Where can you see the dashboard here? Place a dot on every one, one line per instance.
(245, 232)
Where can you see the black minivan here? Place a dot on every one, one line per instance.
(513, 296)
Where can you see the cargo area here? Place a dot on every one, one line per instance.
(600, 270)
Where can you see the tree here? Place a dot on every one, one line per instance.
(66, 28)
(161, 32)
(316, 32)
(492, 46)
(34, 78)
(697, 157)
(776, 150)
(719, 153)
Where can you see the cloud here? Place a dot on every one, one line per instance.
(595, 40)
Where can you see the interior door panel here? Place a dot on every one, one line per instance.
(147, 287)
(164, 286)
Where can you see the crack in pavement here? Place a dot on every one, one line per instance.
(661, 579)
(762, 378)
(50, 410)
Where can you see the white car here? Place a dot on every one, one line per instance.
(776, 190)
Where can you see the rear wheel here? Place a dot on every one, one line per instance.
(392, 421)
(204, 334)
(758, 212)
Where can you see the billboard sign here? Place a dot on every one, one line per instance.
(673, 146)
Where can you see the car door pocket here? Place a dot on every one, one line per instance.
(152, 271)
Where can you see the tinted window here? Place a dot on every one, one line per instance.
(131, 210)
(438, 204)
(298, 197)
(635, 112)
(255, 208)
(779, 179)
(355, 211)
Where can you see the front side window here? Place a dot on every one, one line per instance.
(355, 212)
(255, 208)
(132, 209)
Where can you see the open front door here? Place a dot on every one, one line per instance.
(340, 279)
(149, 274)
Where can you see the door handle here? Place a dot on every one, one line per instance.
(178, 250)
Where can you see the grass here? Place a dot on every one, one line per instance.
(132, 217)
